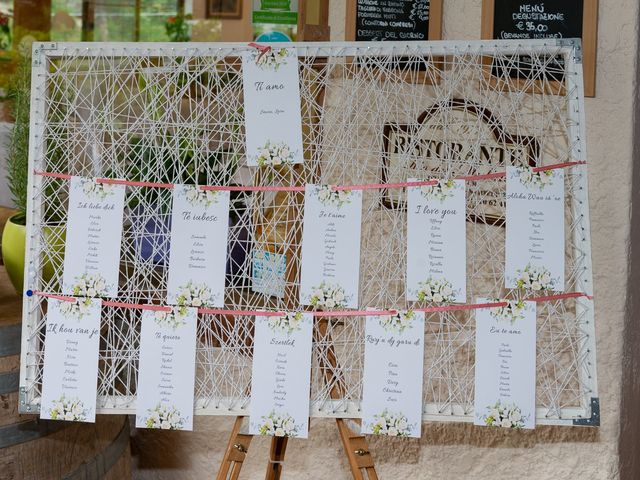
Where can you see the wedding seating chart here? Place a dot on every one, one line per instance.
(273, 122)
(166, 372)
(535, 229)
(330, 247)
(70, 375)
(392, 379)
(280, 380)
(198, 254)
(505, 378)
(94, 231)
(436, 242)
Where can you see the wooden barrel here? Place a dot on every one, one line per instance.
(31, 448)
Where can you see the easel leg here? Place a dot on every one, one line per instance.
(235, 453)
(276, 457)
(360, 459)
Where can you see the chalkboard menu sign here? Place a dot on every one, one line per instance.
(394, 20)
(530, 19)
(538, 19)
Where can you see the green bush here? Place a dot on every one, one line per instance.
(18, 154)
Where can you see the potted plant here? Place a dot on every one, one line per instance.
(14, 233)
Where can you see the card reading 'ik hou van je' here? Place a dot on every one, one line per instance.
(70, 376)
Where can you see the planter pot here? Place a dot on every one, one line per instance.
(55, 237)
(14, 236)
(13, 252)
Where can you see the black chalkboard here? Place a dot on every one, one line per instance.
(531, 19)
(392, 20)
(538, 19)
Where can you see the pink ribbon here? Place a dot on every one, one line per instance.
(264, 49)
(328, 313)
(301, 188)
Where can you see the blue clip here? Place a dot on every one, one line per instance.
(29, 293)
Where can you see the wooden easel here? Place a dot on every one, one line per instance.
(355, 445)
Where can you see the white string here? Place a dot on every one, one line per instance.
(134, 116)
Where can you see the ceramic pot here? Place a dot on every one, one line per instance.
(13, 246)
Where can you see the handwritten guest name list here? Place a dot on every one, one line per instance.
(273, 122)
(330, 247)
(198, 255)
(505, 377)
(166, 373)
(436, 242)
(94, 231)
(535, 229)
(281, 375)
(71, 360)
(392, 384)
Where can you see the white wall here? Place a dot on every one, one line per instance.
(460, 451)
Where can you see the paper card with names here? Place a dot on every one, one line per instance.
(535, 230)
(331, 248)
(167, 368)
(94, 234)
(281, 375)
(436, 242)
(505, 371)
(392, 379)
(273, 122)
(70, 375)
(198, 252)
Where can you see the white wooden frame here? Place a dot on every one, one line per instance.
(585, 412)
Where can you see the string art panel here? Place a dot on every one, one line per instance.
(373, 114)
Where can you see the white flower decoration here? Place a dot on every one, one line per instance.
(278, 425)
(328, 296)
(95, 190)
(87, 285)
(531, 179)
(272, 59)
(504, 416)
(71, 410)
(437, 291)
(274, 154)
(164, 417)
(440, 191)
(332, 198)
(171, 319)
(77, 310)
(535, 278)
(288, 323)
(398, 322)
(391, 424)
(511, 313)
(200, 198)
(195, 295)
